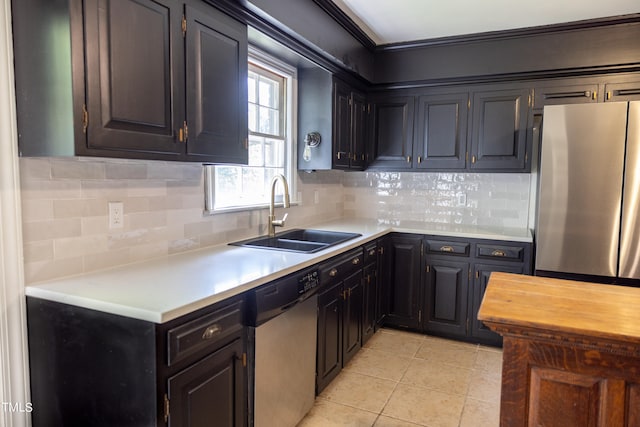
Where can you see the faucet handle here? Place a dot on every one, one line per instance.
(280, 222)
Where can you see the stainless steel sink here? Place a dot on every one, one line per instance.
(298, 240)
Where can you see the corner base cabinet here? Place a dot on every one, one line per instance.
(436, 283)
(90, 368)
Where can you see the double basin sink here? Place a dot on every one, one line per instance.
(299, 240)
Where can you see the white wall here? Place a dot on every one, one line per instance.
(14, 389)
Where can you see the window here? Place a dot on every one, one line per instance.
(271, 143)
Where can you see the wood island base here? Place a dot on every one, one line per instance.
(571, 351)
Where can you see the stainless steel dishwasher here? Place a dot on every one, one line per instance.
(284, 315)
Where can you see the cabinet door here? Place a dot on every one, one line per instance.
(441, 139)
(217, 104)
(341, 125)
(447, 286)
(370, 289)
(329, 358)
(404, 285)
(358, 131)
(392, 132)
(567, 94)
(629, 91)
(352, 316)
(499, 131)
(134, 77)
(383, 280)
(212, 389)
(481, 278)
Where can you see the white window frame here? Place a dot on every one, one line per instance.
(276, 66)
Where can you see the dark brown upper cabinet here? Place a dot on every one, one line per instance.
(441, 132)
(627, 91)
(148, 79)
(132, 51)
(499, 131)
(349, 127)
(217, 70)
(391, 132)
(580, 93)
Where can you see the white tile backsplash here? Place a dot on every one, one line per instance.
(65, 208)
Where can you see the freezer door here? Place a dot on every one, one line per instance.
(581, 173)
(630, 232)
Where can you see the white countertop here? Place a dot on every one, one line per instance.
(163, 289)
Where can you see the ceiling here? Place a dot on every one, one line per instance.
(394, 21)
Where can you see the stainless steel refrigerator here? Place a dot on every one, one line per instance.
(589, 197)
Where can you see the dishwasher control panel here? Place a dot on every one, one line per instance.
(308, 282)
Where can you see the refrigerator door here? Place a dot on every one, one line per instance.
(581, 173)
(630, 231)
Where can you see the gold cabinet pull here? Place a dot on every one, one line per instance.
(498, 252)
(333, 272)
(419, 159)
(355, 261)
(473, 158)
(372, 252)
(408, 159)
(85, 119)
(211, 331)
(446, 249)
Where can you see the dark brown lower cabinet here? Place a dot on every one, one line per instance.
(352, 316)
(90, 368)
(209, 390)
(329, 350)
(405, 288)
(370, 290)
(340, 310)
(447, 288)
(479, 284)
(436, 283)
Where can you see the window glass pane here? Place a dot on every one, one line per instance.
(256, 150)
(253, 184)
(268, 92)
(252, 82)
(253, 118)
(274, 153)
(269, 121)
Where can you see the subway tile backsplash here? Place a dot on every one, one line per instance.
(456, 198)
(65, 208)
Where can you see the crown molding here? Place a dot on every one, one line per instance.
(347, 23)
(515, 33)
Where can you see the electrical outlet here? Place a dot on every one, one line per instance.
(116, 215)
(462, 199)
(316, 197)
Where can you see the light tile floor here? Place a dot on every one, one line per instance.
(406, 379)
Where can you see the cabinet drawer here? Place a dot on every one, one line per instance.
(370, 253)
(448, 247)
(203, 333)
(510, 253)
(341, 266)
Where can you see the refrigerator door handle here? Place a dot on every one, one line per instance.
(629, 266)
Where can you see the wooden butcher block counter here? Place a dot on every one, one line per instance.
(571, 352)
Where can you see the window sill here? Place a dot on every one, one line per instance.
(234, 209)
